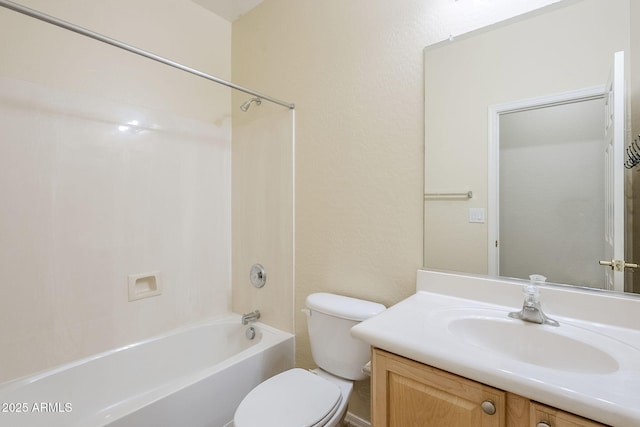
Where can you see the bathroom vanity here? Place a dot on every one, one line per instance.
(408, 393)
(450, 355)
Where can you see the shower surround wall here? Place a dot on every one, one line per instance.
(262, 210)
(88, 199)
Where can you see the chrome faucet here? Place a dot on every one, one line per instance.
(250, 317)
(531, 308)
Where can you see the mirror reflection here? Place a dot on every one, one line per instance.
(516, 115)
(551, 192)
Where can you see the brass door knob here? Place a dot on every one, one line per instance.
(618, 264)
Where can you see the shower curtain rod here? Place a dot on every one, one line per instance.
(96, 36)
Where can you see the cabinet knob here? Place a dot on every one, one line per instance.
(543, 424)
(489, 408)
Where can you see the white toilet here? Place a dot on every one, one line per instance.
(297, 397)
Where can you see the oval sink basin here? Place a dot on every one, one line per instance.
(546, 346)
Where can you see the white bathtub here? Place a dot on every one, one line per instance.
(193, 376)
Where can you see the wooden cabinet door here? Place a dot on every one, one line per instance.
(556, 418)
(409, 394)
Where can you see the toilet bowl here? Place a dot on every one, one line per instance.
(317, 398)
(296, 398)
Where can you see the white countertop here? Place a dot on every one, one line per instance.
(414, 328)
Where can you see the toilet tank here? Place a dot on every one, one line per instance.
(330, 319)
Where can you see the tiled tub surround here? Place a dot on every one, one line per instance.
(195, 375)
(419, 328)
(89, 197)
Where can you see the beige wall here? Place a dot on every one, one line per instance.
(85, 205)
(354, 70)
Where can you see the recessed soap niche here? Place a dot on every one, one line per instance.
(144, 285)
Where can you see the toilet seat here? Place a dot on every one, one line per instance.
(294, 398)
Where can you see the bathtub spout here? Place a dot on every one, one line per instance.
(250, 317)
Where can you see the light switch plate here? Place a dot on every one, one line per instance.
(476, 215)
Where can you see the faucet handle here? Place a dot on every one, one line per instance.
(531, 293)
(537, 278)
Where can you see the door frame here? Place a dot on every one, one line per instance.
(493, 172)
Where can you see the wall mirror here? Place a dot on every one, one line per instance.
(499, 162)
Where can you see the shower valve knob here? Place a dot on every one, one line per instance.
(257, 276)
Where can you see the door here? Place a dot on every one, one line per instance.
(546, 187)
(614, 176)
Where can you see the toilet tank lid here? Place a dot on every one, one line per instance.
(343, 307)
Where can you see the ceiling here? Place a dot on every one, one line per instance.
(229, 9)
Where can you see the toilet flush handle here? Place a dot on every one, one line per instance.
(306, 311)
(366, 369)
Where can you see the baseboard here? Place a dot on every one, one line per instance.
(355, 421)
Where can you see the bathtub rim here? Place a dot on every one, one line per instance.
(21, 381)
